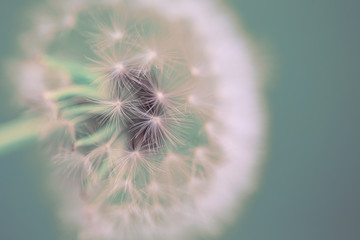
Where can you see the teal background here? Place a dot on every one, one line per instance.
(309, 187)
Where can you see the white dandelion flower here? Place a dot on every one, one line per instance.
(164, 131)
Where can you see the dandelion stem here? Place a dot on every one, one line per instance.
(75, 111)
(73, 91)
(15, 134)
(79, 73)
(96, 138)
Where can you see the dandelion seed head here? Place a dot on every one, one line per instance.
(69, 21)
(156, 120)
(116, 36)
(195, 71)
(191, 99)
(160, 96)
(119, 67)
(163, 129)
(150, 55)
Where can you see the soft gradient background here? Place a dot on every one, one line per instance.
(310, 181)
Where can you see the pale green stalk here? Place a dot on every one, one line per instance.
(17, 133)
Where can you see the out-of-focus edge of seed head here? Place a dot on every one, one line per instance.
(242, 109)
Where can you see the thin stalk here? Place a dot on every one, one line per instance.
(73, 91)
(17, 133)
(80, 74)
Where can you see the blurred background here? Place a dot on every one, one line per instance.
(309, 186)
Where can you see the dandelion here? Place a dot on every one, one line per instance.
(158, 125)
(116, 71)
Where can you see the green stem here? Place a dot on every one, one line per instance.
(73, 91)
(101, 135)
(88, 109)
(17, 133)
(80, 74)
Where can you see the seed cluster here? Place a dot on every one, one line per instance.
(150, 111)
(136, 136)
